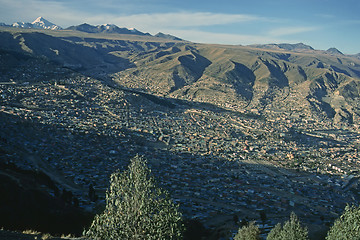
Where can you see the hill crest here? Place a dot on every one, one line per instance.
(284, 46)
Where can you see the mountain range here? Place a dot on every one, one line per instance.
(105, 28)
(42, 23)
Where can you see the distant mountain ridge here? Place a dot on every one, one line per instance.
(167, 36)
(105, 28)
(42, 23)
(284, 46)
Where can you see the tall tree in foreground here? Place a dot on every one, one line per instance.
(248, 232)
(136, 208)
(291, 230)
(347, 226)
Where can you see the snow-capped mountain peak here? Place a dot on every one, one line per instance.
(22, 25)
(40, 23)
(108, 25)
(133, 29)
(41, 20)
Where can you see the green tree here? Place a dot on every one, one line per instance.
(347, 226)
(248, 232)
(291, 230)
(275, 233)
(136, 209)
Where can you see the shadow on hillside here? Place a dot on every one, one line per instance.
(92, 59)
(41, 212)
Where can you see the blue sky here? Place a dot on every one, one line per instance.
(319, 23)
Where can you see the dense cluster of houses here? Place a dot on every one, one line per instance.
(214, 162)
